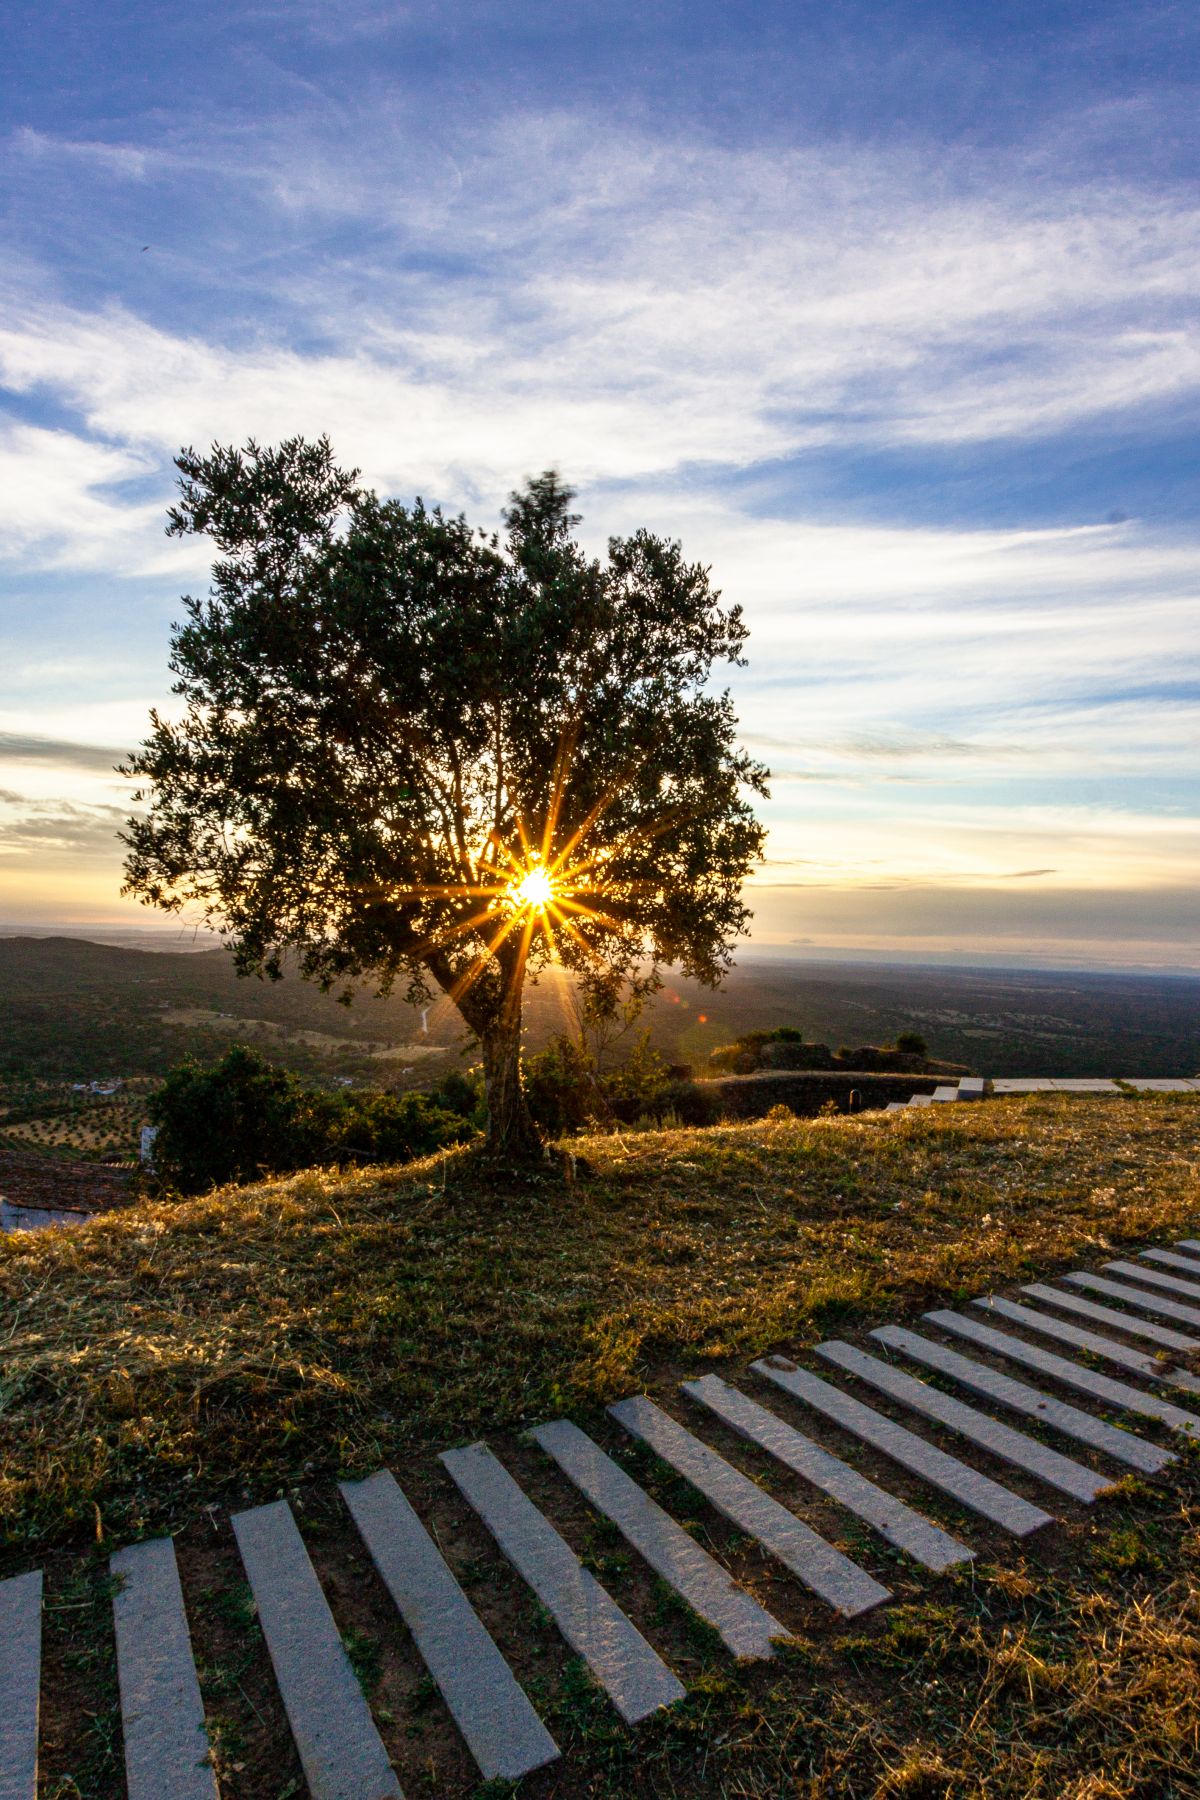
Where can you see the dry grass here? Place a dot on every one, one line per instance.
(231, 1347)
(328, 1321)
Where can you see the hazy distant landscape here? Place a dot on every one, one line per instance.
(76, 1010)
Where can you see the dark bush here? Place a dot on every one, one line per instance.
(566, 1092)
(561, 1088)
(243, 1117)
(911, 1043)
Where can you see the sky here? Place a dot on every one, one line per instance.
(887, 311)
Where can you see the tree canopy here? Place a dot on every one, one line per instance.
(413, 752)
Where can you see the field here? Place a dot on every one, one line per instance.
(165, 1364)
(75, 1011)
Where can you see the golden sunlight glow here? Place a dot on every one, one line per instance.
(534, 890)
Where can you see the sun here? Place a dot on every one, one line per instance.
(535, 890)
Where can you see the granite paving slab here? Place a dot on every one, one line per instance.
(746, 1628)
(1015, 1447)
(1107, 1315)
(1156, 1278)
(20, 1684)
(484, 1697)
(895, 1521)
(162, 1715)
(633, 1675)
(1171, 1259)
(819, 1565)
(1072, 1421)
(1135, 1296)
(979, 1493)
(1140, 1361)
(1071, 1374)
(341, 1752)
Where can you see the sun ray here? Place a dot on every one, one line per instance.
(564, 756)
(467, 981)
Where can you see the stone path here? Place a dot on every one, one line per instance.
(814, 1426)
(976, 1087)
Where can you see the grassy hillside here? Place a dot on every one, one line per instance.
(167, 1363)
(330, 1320)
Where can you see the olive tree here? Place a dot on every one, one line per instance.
(409, 752)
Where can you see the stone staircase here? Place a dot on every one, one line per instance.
(975, 1087)
(1133, 1316)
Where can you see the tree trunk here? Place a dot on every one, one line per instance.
(512, 1135)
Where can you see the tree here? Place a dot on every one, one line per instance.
(410, 752)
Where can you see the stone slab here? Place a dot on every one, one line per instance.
(1160, 1084)
(1171, 1259)
(1119, 1321)
(1125, 1446)
(1022, 1084)
(895, 1521)
(972, 1087)
(162, 1715)
(20, 1684)
(485, 1700)
(1015, 1447)
(977, 1492)
(1071, 1085)
(945, 1093)
(1156, 1278)
(745, 1627)
(1149, 1302)
(1140, 1361)
(1071, 1374)
(1192, 1244)
(632, 1674)
(920, 1100)
(817, 1564)
(341, 1752)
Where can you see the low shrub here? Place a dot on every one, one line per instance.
(243, 1117)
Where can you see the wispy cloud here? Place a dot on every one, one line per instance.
(683, 326)
(20, 747)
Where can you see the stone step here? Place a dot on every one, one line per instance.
(1139, 1361)
(485, 1700)
(1105, 1315)
(945, 1093)
(341, 1752)
(1157, 1304)
(1192, 1244)
(1171, 1259)
(1125, 1446)
(1071, 1374)
(745, 1627)
(1155, 1278)
(817, 1564)
(977, 1492)
(20, 1684)
(972, 1087)
(1022, 1084)
(1023, 1452)
(1160, 1084)
(162, 1715)
(895, 1521)
(633, 1675)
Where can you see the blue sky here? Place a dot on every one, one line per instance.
(888, 311)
